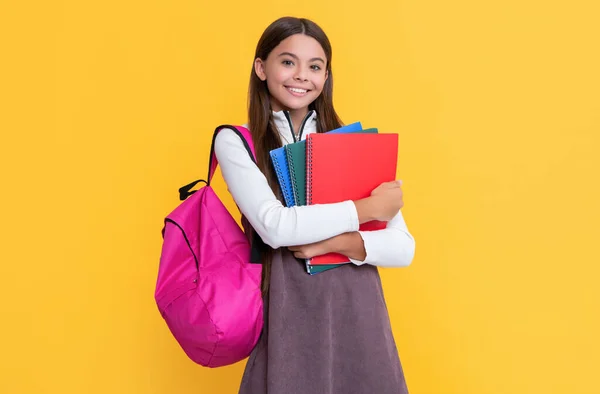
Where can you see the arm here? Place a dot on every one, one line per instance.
(278, 225)
(393, 246)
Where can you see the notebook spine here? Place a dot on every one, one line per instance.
(292, 174)
(309, 148)
(282, 184)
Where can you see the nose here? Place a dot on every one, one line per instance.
(300, 75)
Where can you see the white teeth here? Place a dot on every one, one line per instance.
(298, 90)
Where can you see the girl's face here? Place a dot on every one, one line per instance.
(295, 71)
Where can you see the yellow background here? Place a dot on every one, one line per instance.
(108, 107)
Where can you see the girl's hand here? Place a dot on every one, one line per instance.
(315, 249)
(389, 199)
(348, 244)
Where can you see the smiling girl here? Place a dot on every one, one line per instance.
(329, 333)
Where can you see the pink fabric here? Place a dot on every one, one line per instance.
(213, 307)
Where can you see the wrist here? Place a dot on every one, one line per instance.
(339, 244)
(367, 209)
(350, 245)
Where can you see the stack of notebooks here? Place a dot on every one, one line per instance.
(343, 164)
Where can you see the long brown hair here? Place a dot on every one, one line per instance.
(264, 132)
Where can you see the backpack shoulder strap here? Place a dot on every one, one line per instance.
(245, 136)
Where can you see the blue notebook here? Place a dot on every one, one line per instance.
(278, 157)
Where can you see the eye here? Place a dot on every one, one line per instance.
(315, 67)
(287, 63)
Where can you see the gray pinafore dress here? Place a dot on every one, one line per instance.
(328, 333)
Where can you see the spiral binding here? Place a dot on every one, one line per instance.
(309, 145)
(292, 174)
(282, 184)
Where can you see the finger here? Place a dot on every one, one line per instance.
(384, 186)
(299, 255)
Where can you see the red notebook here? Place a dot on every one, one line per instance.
(342, 167)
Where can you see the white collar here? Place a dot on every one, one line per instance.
(284, 125)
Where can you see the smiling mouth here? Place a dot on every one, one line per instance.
(297, 91)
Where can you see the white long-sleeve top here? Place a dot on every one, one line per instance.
(281, 226)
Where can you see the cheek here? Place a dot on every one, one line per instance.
(275, 82)
(279, 75)
(320, 83)
(272, 84)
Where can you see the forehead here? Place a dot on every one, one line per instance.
(301, 45)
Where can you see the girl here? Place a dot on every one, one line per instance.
(328, 333)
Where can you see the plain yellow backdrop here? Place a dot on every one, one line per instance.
(108, 107)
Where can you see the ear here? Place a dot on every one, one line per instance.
(259, 69)
(326, 74)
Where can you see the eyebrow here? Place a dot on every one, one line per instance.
(314, 59)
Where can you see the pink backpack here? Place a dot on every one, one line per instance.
(207, 290)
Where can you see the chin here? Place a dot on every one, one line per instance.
(292, 105)
(296, 107)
